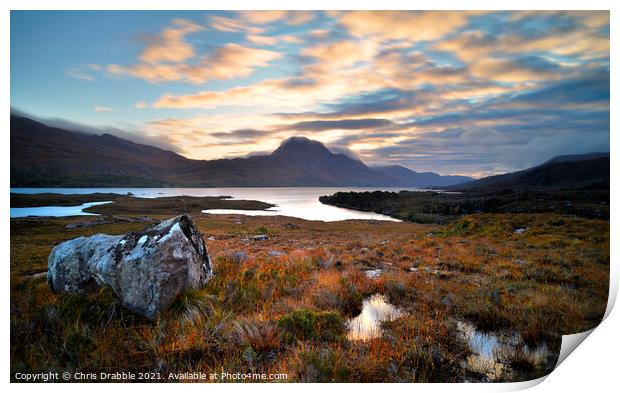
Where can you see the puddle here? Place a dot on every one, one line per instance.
(373, 273)
(367, 325)
(490, 347)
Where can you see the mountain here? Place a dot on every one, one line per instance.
(571, 172)
(43, 156)
(409, 178)
(47, 156)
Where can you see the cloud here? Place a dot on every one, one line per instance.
(520, 69)
(140, 105)
(403, 25)
(266, 17)
(84, 72)
(100, 108)
(262, 17)
(239, 135)
(269, 40)
(170, 45)
(300, 17)
(168, 57)
(232, 25)
(262, 39)
(454, 92)
(226, 62)
(215, 136)
(565, 33)
(340, 54)
(355, 124)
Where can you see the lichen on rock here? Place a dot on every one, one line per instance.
(146, 270)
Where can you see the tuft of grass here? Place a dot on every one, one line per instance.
(191, 307)
(262, 337)
(322, 365)
(518, 359)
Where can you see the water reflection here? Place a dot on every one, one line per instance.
(367, 325)
(54, 211)
(490, 348)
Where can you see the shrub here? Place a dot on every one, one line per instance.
(306, 324)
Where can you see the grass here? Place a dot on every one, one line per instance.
(286, 314)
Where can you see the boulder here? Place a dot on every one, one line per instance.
(146, 270)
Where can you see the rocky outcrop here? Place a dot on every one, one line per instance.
(146, 270)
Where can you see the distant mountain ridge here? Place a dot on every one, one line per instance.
(43, 156)
(410, 178)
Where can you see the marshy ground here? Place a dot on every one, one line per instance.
(282, 305)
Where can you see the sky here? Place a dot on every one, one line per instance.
(453, 92)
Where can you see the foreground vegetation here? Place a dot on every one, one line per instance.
(281, 305)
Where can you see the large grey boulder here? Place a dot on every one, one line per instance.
(146, 270)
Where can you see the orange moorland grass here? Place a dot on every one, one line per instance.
(549, 280)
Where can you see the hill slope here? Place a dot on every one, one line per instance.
(559, 173)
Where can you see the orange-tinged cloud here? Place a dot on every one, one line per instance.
(232, 25)
(341, 54)
(270, 16)
(262, 17)
(170, 45)
(262, 39)
(475, 45)
(226, 62)
(403, 25)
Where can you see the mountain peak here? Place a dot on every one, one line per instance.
(301, 145)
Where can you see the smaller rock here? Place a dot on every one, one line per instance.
(373, 273)
(211, 238)
(521, 262)
(35, 276)
(261, 237)
(324, 263)
(520, 230)
(274, 253)
(240, 257)
(503, 272)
